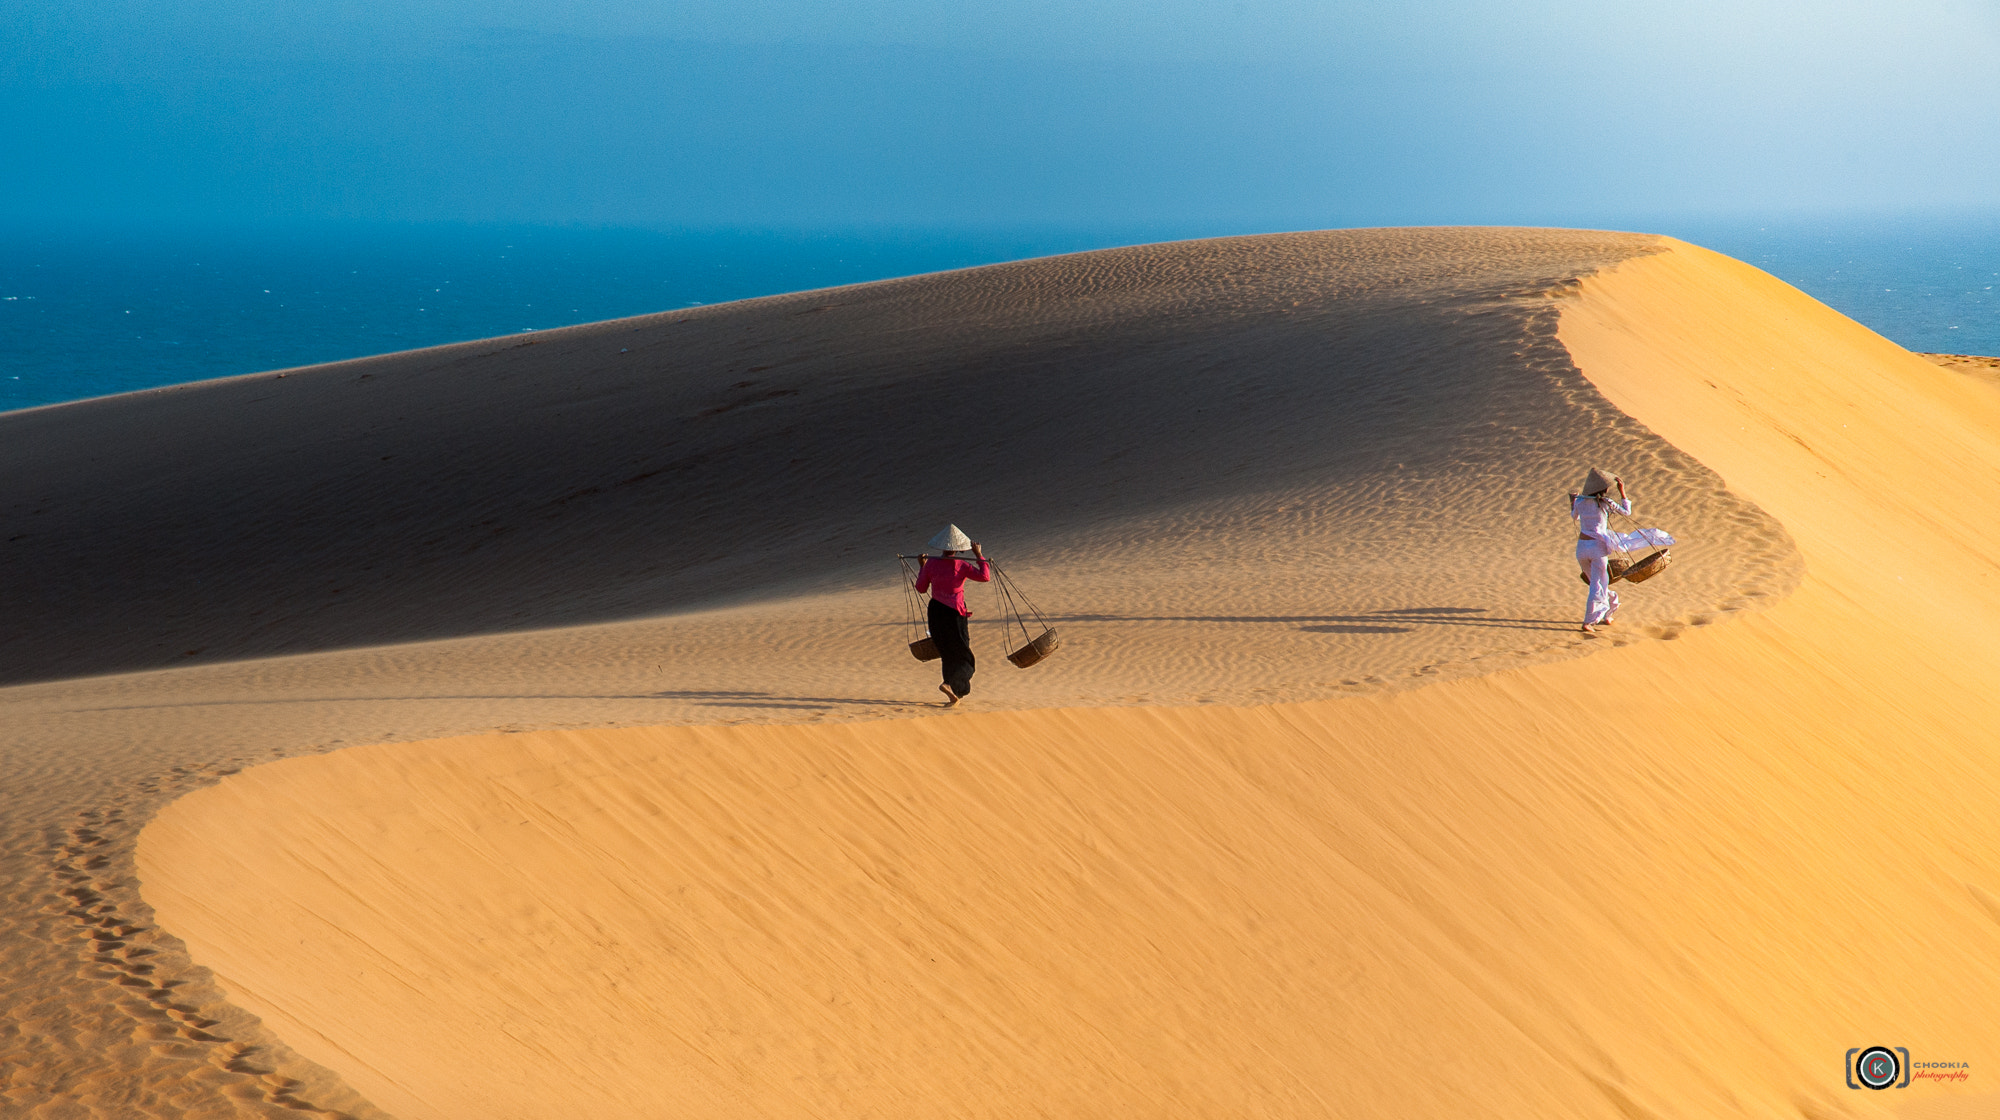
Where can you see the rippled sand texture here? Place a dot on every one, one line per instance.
(1661, 881)
(1232, 465)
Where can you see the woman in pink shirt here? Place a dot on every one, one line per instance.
(944, 577)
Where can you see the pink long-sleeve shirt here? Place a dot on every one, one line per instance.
(945, 580)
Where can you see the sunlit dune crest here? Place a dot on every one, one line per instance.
(1656, 874)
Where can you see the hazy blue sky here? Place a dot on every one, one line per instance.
(802, 112)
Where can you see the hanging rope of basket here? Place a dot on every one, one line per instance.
(1035, 646)
(1643, 570)
(916, 627)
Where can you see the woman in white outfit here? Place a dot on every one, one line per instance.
(1596, 543)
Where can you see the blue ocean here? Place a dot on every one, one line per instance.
(89, 313)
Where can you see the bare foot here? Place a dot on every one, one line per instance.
(950, 697)
(1586, 628)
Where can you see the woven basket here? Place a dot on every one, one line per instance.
(1649, 567)
(1036, 650)
(925, 649)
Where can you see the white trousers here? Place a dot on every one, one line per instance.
(1600, 602)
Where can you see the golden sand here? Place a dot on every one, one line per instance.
(1661, 880)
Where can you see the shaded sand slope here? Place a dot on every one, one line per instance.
(1373, 408)
(1658, 882)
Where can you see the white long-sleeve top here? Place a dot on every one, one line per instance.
(1593, 520)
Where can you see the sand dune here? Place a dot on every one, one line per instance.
(1641, 884)
(1373, 407)
(1472, 897)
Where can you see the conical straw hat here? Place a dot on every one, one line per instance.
(1594, 481)
(951, 540)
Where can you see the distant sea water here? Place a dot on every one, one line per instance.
(85, 314)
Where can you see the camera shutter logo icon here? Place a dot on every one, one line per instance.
(1878, 1067)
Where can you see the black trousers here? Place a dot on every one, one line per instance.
(952, 632)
